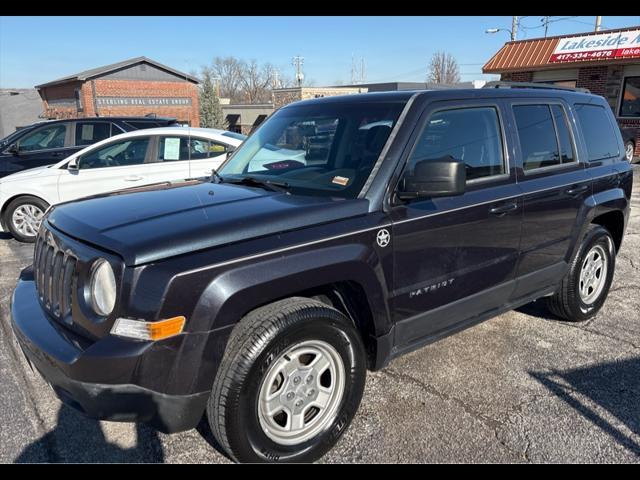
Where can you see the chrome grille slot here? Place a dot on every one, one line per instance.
(54, 273)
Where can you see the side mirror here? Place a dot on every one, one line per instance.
(72, 166)
(14, 149)
(442, 177)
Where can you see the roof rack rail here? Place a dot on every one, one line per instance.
(500, 84)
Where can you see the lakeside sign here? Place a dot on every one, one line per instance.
(605, 46)
(143, 101)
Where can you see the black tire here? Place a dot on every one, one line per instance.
(629, 145)
(255, 344)
(18, 202)
(567, 303)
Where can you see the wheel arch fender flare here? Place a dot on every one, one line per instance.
(235, 292)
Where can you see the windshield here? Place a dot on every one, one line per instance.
(323, 149)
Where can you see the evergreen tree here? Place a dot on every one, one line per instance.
(210, 111)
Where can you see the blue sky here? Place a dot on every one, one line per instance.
(34, 50)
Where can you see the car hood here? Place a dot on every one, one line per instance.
(25, 174)
(165, 220)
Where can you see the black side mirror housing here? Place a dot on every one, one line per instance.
(442, 177)
(14, 149)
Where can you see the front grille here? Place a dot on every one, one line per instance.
(54, 272)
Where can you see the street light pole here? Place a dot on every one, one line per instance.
(514, 27)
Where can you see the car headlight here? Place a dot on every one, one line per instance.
(102, 288)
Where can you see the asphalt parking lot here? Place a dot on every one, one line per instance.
(522, 387)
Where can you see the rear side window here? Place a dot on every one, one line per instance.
(171, 149)
(599, 136)
(88, 133)
(538, 141)
(471, 135)
(564, 137)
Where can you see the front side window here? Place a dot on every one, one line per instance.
(538, 141)
(88, 133)
(118, 154)
(323, 149)
(599, 136)
(44, 138)
(469, 135)
(630, 105)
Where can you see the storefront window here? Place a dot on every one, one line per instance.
(630, 105)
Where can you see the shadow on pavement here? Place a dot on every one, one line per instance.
(614, 386)
(5, 236)
(78, 439)
(538, 309)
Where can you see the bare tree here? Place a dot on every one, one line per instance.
(248, 82)
(229, 71)
(443, 68)
(256, 81)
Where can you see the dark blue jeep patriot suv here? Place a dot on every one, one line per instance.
(260, 297)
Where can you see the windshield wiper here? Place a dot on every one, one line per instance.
(256, 182)
(216, 176)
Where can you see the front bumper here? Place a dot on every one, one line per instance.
(107, 379)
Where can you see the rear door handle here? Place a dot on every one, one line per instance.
(503, 209)
(132, 178)
(577, 190)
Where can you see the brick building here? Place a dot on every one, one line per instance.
(605, 62)
(136, 87)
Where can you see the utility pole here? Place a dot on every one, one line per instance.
(546, 26)
(353, 70)
(217, 80)
(361, 69)
(297, 62)
(514, 27)
(276, 78)
(598, 21)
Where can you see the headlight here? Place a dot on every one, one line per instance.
(102, 288)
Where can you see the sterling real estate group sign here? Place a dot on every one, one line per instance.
(606, 46)
(143, 101)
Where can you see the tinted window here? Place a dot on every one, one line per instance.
(201, 148)
(600, 138)
(171, 149)
(562, 126)
(88, 133)
(537, 135)
(630, 106)
(44, 138)
(471, 135)
(122, 153)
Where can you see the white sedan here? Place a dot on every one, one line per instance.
(135, 158)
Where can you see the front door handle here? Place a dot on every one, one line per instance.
(577, 190)
(132, 178)
(503, 209)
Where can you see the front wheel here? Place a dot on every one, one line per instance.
(585, 287)
(23, 217)
(289, 384)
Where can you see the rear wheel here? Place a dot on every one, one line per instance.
(289, 384)
(23, 217)
(585, 287)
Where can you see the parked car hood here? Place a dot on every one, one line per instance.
(24, 174)
(151, 223)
